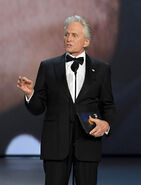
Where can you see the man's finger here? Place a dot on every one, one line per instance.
(19, 82)
(20, 79)
(26, 80)
(93, 131)
(98, 134)
(18, 85)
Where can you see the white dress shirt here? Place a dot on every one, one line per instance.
(80, 76)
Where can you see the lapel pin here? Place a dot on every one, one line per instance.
(93, 70)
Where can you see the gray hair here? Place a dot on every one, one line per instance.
(76, 18)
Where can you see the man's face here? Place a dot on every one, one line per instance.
(74, 40)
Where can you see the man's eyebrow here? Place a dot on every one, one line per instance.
(71, 32)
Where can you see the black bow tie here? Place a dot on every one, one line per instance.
(79, 60)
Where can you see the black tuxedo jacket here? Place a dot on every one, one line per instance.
(51, 94)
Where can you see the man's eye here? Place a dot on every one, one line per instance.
(66, 34)
(75, 35)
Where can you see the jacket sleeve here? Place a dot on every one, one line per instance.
(107, 106)
(37, 103)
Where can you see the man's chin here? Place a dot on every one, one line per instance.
(72, 52)
(68, 50)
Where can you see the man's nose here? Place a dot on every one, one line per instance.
(69, 38)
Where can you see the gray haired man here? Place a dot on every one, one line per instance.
(67, 86)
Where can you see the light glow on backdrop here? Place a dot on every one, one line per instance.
(23, 145)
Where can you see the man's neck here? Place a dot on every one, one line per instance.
(76, 56)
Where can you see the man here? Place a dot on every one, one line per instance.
(65, 87)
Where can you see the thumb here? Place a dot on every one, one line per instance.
(93, 119)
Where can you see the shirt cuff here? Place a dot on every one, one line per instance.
(28, 99)
(107, 132)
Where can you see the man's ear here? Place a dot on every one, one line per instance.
(86, 43)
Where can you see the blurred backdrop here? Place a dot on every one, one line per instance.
(32, 31)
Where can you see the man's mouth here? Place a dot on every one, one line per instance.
(69, 45)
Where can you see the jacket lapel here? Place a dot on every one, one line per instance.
(60, 72)
(90, 77)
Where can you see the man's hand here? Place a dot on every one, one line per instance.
(25, 85)
(101, 127)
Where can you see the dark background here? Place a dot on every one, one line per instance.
(126, 80)
(126, 69)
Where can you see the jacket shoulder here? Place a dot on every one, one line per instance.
(99, 62)
(53, 60)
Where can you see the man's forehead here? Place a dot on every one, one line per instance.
(74, 27)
